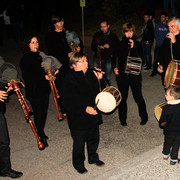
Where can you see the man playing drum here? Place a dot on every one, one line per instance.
(80, 87)
(165, 55)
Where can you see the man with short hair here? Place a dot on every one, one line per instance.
(104, 44)
(170, 44)
(58, 46)
(147, 40)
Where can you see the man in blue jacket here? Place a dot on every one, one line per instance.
(160, 31)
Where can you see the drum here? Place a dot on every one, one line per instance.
(108, 99)
(172, 76)
(133, 65)
(158, 110)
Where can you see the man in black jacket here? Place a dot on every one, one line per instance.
(104, 44)
(58, 46)
(171, 42)
(147, 40)
(79, 89)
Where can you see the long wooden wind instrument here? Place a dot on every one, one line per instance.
(26, 109)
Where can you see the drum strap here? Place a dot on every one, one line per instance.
(99, 84)
(171, 50)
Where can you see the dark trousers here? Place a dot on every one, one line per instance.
(40, 108)
(59, 78)
(147, 53)
(155, 65)
(134, 81)
(171, 146)
(91, 138)
(5, 163)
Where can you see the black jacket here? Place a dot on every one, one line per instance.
(34, 75)
(101, 38)
(57, 46)
(171, 115)
(123, 50)
(148, 32)
(78, 92)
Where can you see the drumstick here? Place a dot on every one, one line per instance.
(163, 123)
(96, 104)
(102, 72)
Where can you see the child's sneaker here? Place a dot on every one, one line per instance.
(165, 157)
(174, 162)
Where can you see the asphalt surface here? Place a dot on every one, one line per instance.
(132, 152)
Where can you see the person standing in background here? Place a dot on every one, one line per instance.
(161, 29)
(104, 44)
(147, 40)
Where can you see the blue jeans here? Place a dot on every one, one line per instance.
(147, 53)
(173, 13)
(106, 67)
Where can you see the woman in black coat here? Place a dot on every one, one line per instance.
(37, 87)
(129, 46)
(80, 87)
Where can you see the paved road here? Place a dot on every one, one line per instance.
(132, 152)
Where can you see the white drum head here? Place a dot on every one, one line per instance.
(107, 102)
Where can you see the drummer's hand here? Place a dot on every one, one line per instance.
(3, 95)
(98, 74)
(91, 110)
(116, 71)
(172, 37)
(106, 46)
(160, 69)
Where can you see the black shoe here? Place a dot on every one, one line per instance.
(46, 137)
(142, 123)
(153, 74)
(124, 123)
(11, 173)
(147, 69)
(99, 163)
(82, 171)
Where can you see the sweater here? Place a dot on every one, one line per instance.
(171, 115)
(160, 31)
